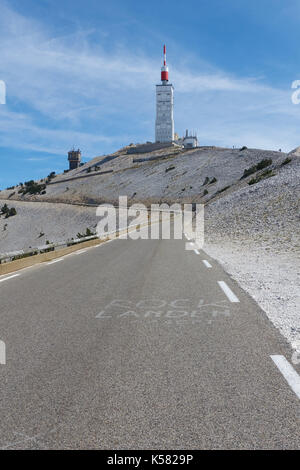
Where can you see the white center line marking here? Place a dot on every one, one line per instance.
(55, 261)
(207, 264)
(197, 252)
(228, 292)
(9, 277)
(288, 372)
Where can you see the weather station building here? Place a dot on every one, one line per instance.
(74, 158)
(164, 124)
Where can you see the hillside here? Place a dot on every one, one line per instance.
(176, 175)
(235, 210)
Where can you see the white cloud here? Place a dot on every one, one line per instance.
(71, 88)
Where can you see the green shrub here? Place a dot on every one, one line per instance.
(47, 250)
(206, 181)
(8, 212)
(169, 169)
(4, 209)
(259, 166)
(264, 175)
(286, 161)
(25, 255)
(264, 163)
(223, 189)
(89, 233)
(50, 177)
(214, 180)
(32, 188)
(243, 148)
(205, 192)
(12, 212)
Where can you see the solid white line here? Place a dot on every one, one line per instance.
(207, 264)
(80, 251)
(9, 277)
(228, 292)
(288, 372)
(55, 261)
(197, 252)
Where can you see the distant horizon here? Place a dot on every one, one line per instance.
(85, 75)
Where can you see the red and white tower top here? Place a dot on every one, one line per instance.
(164, 69)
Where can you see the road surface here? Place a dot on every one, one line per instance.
(141, 345)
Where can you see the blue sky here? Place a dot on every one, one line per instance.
(83, 73)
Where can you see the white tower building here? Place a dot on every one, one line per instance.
(164, 124)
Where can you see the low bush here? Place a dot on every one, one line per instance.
(286, 161)
(264, 175)
(88, 233)
(223, 189)
(31, 187)
(259, 166)
(8, 212)
(50, 176)
(169, 169)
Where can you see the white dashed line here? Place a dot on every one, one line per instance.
(288, 372)
(80, 251)
(55, 261)
(228, 292)
(9, 277)
(207, 264)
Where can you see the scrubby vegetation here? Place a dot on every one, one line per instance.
(31, 187)
(50, 176)
(286, 161)
(223, 189)
(7, 212)
(214, 180)
(259, 166)
(169, 168)
(24, 255)
(265, 174)
(88, 233)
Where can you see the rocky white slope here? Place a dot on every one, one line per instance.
(255, 234)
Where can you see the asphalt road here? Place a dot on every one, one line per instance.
(134, 344)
